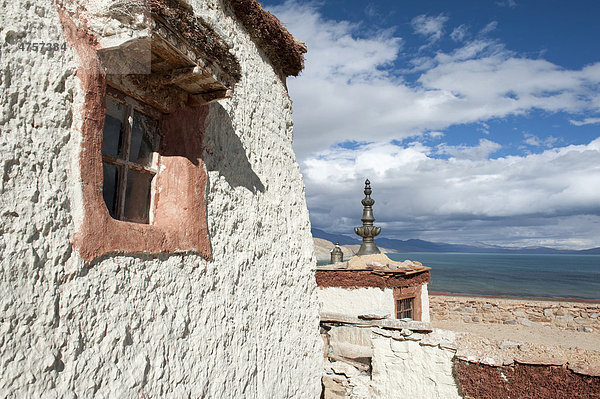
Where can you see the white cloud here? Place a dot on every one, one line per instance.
(351, 91)
(489, 27)
(484, 128)
(336, 52)
(348, 92)
(419, 195)
(586, 121)
(475, 49)
(435, 135)
(479, 152)
(535, 141)
(458, 34)
(431, 27)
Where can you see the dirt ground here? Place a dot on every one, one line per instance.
(533, 345)
(523, 381)
(518, 333)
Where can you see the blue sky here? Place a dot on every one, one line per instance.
(476, 121)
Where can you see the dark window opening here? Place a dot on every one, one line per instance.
(404, 308)
(129, 161)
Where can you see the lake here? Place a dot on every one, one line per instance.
(558, 276)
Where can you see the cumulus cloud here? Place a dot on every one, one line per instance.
(336, 51)
(420, 195)
(431, 27)
(352, 91)
(349, 92)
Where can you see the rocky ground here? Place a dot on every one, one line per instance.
(500, 331)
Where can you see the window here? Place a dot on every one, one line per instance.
(408, 302)
(129, 161)
(404, 308)
(150, 197)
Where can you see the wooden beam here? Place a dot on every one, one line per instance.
(394, 324)
(196, 100)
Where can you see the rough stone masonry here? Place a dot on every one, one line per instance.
(565, 315)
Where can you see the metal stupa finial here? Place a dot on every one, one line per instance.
(367, 231)
(336, 254)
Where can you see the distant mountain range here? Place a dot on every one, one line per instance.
(427, 246)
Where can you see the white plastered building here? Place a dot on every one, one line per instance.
(155, 240)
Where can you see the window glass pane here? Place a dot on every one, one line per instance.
(142, 139)
(111, 136)
(109, 189)
(404, 308)
(137, 196)
(405, 304)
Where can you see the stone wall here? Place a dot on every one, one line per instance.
(381, 358)
(242, 324)
(576, 316)
(419, 366)
(402, 360)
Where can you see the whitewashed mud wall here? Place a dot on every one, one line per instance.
(362, 301)
(357, 301)
(425, 316)
(244, 324)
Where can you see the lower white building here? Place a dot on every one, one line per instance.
(374, 285)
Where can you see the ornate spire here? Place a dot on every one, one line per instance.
(367, 231)
(336, 254)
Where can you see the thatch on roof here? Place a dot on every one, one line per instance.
(284, 51)
(181, 17)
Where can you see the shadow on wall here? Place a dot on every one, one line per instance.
(225, 151)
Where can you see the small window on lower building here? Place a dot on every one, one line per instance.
(404, 308)
(129, 161)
